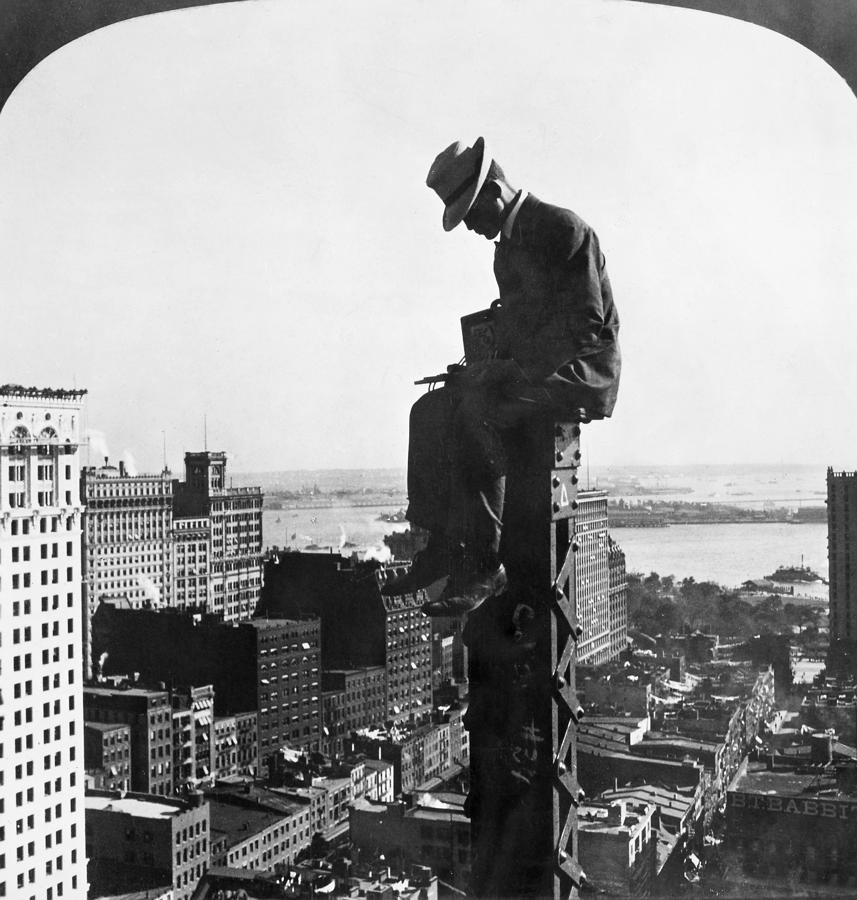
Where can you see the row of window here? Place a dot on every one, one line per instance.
(44, 472)
(47, 576)
(18, 499)
(46, 523)
(31, 879)
(26, 607)
(26, 633)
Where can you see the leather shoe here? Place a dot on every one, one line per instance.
(428, 566)
(467, 593)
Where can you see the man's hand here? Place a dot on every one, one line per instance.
(486, 373)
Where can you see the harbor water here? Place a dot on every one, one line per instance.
(726, 554)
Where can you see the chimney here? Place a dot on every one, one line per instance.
(846, 777)
(616, 812)
(122, 468)
(821, 749)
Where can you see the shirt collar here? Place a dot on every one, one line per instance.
(513, 214)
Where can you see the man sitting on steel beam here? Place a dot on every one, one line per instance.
(556, 352)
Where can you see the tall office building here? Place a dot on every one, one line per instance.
(599, 574)
(128, 523)
(618, 593)
(360, 628)
(842, 560)
(235, 522)
(42, 838)
(152, 541)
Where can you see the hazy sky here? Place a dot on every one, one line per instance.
(223, 211)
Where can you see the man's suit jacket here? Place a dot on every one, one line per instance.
(557, 318)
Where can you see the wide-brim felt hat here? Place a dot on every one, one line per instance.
(457, 176)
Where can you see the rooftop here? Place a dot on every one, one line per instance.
(246, 795)
(671, 803)
(238, 823)
(617, 817)
(18, 390)
(790, 782)
(439, 814)
(138, 692)
(281, 623)
(141, 806)
(153, 893)
(107, 726)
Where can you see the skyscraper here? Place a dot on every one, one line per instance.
(235, 534)
(127, 536)
(152, 541)
(592, 578)
(42, 842)
(842, 559)
(618, 612)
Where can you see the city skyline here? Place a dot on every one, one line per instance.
(219, 245)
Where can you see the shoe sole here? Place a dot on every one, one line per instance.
(432, 607)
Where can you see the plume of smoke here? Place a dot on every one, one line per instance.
(381, 552)
(343, 537)
(150, 589)
(98, 444)
(130, 462)
(101, 660)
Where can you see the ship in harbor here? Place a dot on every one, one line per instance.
(395, 517)
(796, 575)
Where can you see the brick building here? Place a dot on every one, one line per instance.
(419, 754)
(390, 631)
(268, 666)
(148, 713)
(255, 828)
(225, 747)
(107, 755)
(434, 833)
(193, 737)
(137, 842)
(618, 847)
(378, 780)
(354, 699)
(791, 828)
(842, 560)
